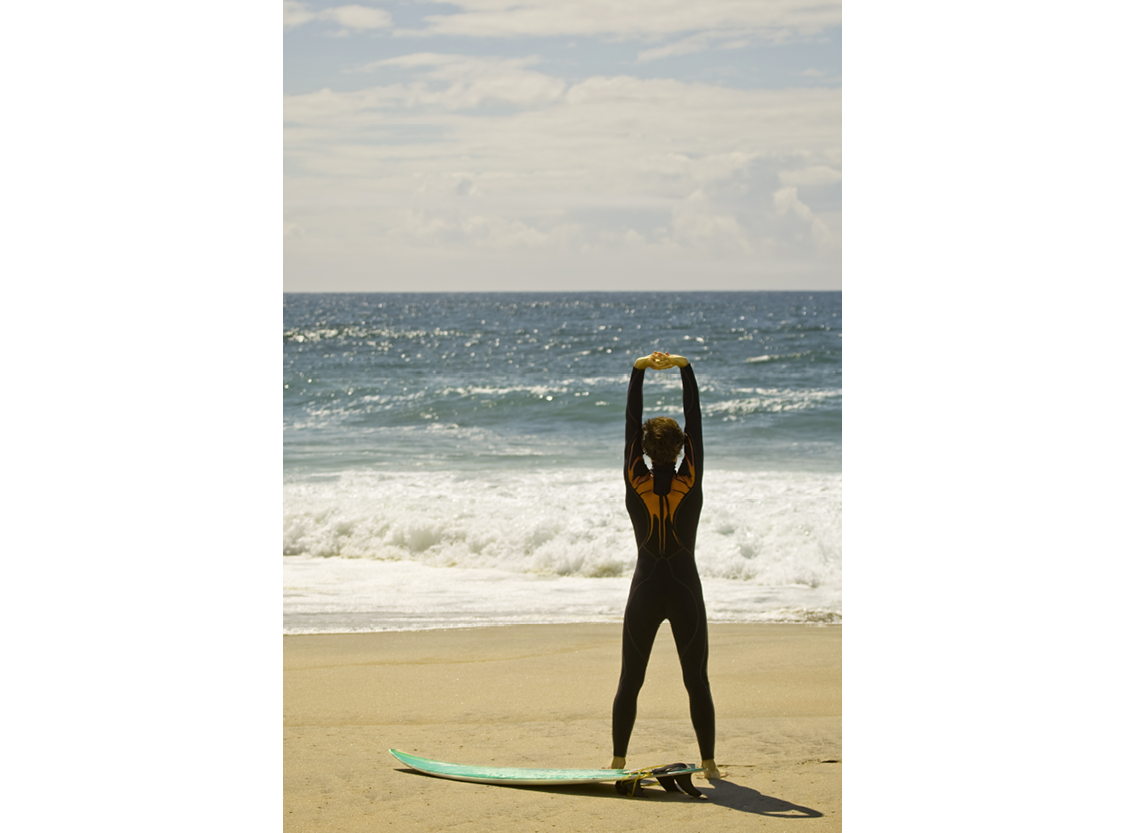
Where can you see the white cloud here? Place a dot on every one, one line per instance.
(357, 17)
(597, 132)
(812, 175)
(360, 18)
(786, 202)
(660, 171)
(687, 46)
(699, 42)
(462, 81)
(297, 14)
(481, 232)
(707, 229)
(635, 18)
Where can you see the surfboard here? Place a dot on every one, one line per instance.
(670, 776)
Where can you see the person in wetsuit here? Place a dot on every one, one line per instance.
(664, 505)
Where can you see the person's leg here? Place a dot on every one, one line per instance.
(642, 620)
(688, 617)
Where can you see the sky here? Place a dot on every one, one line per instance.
(567, 145)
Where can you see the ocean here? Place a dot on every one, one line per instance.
(455, 459)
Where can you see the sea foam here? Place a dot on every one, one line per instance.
(763, 528)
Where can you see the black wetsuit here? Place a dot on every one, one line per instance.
(664, 506)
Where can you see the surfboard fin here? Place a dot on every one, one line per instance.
(670, 776)
(630, 788)
(676, 783)
(679, 783)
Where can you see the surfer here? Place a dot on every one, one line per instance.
(664, 505)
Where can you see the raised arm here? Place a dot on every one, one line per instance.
(634, 404)
(693, 419)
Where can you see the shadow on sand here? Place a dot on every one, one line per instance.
(737, 797)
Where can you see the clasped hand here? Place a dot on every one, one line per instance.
(661, 361)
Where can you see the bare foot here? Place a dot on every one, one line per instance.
(711, 771)
(618, 763)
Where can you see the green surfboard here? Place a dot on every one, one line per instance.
(526, 777)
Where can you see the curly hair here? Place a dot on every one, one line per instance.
(662, 440)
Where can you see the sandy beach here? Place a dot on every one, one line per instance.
(540, 696)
